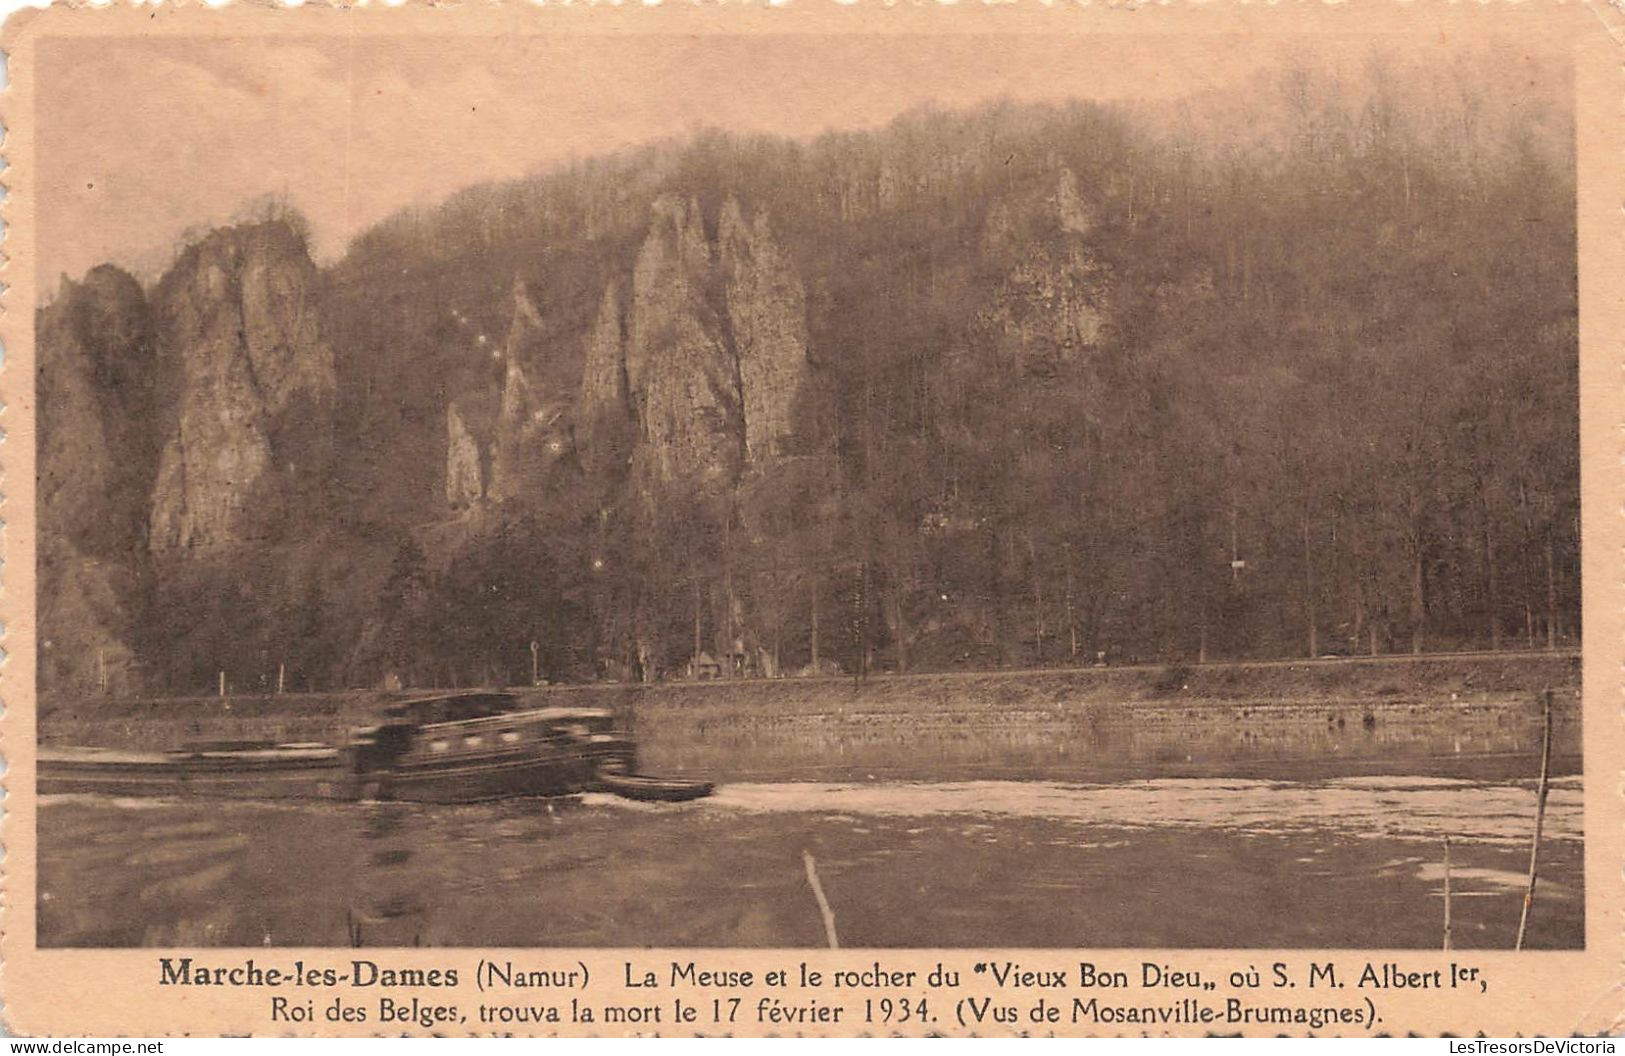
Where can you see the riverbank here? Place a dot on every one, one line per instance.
(1297, 719)
(1032, 809)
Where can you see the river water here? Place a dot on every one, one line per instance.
(1220, 824)
(1164, 862)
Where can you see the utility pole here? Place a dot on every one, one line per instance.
(728, 587)
(813, 590)
(1071, 612)
(863, 619)
(1551, 594)
(1309, 590)
(695, 663)
(1236, 563)
(535, 665)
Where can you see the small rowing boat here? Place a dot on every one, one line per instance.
(651, 789)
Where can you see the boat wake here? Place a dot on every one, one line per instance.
(1421, 808)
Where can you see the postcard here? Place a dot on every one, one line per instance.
(815, 519)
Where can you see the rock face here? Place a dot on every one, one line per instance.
(504, 442)
(697, 380)
(1071, 212)
(98, 441)
(691, 369)
(97, 454)
(767, 313)
(1051, 306)
(252, 384)
(465, 460)
(603, 415)
(682, 379)
(532, 431)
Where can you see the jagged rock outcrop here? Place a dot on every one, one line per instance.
(96, 455)
(687, 378)
(1051, 307)
(681, 378)
(503, 443)
(697, 379)
(767, 315)
(603, 429)
(465, 460)
(98, 441)
(533, 435)
(1071, 211)
(533, 429)
(252, 386)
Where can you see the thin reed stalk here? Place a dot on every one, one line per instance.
(1447, 894)
(1540, 819)
(823, 903)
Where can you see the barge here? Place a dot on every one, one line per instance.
(448, 748)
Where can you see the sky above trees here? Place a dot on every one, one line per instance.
(142, 141)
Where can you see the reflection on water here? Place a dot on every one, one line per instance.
(1307, 742)
(1398, 808)
(958, 828)
(1346, 862)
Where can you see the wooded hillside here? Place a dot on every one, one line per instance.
(1016, 386)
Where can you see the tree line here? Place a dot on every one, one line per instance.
(1088, 382)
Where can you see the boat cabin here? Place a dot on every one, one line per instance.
(489, 731)
(457, 707)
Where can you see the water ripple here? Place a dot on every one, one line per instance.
(1404, 807)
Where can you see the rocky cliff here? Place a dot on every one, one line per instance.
(252, 386)
(533, 427)
(467, 453)
(97, 439)
(603, 415)
(767, 314)
(96, 457)
(681, 377)
(504, 438)
(1051, 305)
(698, 380)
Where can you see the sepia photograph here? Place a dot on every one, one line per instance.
(843, 490)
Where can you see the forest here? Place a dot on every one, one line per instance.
(1051, 385)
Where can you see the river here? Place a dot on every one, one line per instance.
(1278, 860)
